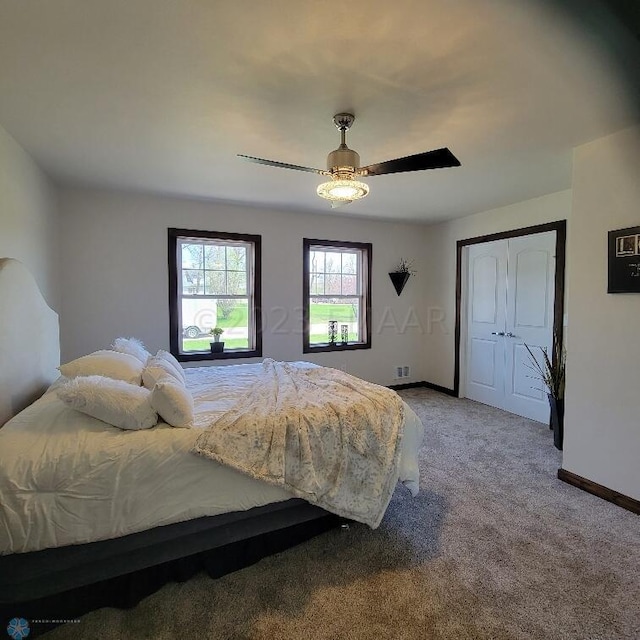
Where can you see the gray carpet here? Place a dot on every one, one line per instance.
(493, 547)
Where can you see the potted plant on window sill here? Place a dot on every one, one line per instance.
(552, 375)
(216, 345)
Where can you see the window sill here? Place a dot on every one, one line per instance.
(224, 355)
(338, 346)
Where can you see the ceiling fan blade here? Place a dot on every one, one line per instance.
(339, 203)
(437, 159)
(283, 165)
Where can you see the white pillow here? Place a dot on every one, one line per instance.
(173, 403)
(170, 358)
(157, 369)
(110, 364)
(115, 402)
(133, 347)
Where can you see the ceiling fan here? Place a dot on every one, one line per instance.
(343, 166)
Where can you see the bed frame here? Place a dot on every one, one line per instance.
(67, 582)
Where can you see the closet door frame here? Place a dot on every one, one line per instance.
(560, 227)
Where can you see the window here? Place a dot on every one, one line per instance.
(336, 287)
(214, 280)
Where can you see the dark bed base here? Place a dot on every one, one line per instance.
(38, 586)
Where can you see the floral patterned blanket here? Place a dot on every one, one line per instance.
(321, 434)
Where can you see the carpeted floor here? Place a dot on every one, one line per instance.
(493, 547)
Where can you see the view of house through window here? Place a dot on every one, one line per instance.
(215, 288)
(337, 276)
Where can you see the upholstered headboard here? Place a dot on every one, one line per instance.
(29, 340)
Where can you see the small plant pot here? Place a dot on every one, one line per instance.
(217, 347)
(399, 279)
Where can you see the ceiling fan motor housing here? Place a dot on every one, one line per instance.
(342, 160)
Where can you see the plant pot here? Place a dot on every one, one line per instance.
(399, 279)
(557, 420)
(217, 347)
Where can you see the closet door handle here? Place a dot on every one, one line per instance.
(510, 335)
(498, 333)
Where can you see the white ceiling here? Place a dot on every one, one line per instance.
(159, 95)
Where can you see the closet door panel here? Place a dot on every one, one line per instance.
(486, 277)
(529, 320)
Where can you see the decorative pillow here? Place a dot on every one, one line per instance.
(156, 370)
(133, 347)
(110, 364)
(170, 358)
(173, 403)
(115, 402)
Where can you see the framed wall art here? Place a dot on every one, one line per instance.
(624, 261)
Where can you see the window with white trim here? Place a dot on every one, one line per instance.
(214, 281)
(336, 295)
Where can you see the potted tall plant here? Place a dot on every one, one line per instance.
(216, 345)
(552, 374)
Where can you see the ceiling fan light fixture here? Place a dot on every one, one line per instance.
(343, 190)
(343, 166)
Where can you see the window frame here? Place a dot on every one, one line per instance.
(365, 323)
(255, 310)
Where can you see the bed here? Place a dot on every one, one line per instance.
(93, 516)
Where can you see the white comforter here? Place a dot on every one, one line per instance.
(67, 478)
(322, 434)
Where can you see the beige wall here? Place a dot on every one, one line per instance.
(440, 278)
(114, 273)
(602, 425)
(28, 217)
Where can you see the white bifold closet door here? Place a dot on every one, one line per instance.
(510, 302)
